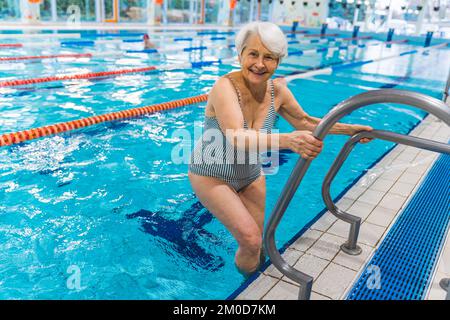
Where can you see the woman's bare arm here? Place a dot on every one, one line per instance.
(291, 110)
(226, 107)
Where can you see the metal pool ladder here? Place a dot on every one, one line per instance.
(421, 101)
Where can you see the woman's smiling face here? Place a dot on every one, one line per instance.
(257, 62)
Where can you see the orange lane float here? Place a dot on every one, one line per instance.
(68, 55)
(10, 45)
(21, 136)
(11, 83)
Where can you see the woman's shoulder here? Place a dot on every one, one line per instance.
(281, 89)
(280, 85)
(224, 83)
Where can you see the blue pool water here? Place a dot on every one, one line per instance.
(104, 213)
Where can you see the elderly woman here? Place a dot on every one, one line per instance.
(242, 106)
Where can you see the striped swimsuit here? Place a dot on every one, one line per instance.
(238, 168)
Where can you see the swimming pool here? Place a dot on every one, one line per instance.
(103, 213)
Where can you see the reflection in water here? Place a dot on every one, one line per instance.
(184, 234)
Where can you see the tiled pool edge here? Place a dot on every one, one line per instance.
(317, 252)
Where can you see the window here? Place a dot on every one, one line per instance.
(9, 10)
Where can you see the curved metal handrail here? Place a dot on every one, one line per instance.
(350, 247)
(421, 101)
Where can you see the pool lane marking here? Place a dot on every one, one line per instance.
(149, 51)
(26, 135)
(51, 56)
(200, 64)
(346, 65)
(324, 49)
(88, 75)
(39, 35)
(120, 41)
(18, 82)
(91, 43)
(101, 74)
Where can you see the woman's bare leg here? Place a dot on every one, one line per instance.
(226, 205)
(254, 199)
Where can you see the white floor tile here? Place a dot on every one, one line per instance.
(258, 288)
(381, 216)
(283, 291)
(370, 234)
(327, 246)
(392, 201)
(334, 281)
(306, 240)
(311, 265)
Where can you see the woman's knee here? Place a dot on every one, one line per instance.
(251, 241)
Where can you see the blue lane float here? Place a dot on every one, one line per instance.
(116, 35)
(152, 50)
(86, 43)
(408, 52)
(195, 48)
(142, 51)
(202, 64)
(208, 33)
(183, 39)
(132, 40)
(217, 38)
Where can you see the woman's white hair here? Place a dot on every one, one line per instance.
(270, 34)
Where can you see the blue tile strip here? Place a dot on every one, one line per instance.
(409, 253)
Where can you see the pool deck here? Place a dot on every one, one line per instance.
(378, 198)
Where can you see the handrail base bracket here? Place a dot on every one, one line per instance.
(351, 250)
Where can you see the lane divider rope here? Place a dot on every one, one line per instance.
(346, 65)
(26, 135)
(89, 75)
(39, 35)
(51, 56)
(323, 49)
(149, 51)
(90, 43)
(18, 82)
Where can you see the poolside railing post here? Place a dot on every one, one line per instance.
(294, 26)
(324, 28)
(351, 247)
(390, 34)
(428, 38)
(355, 31)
